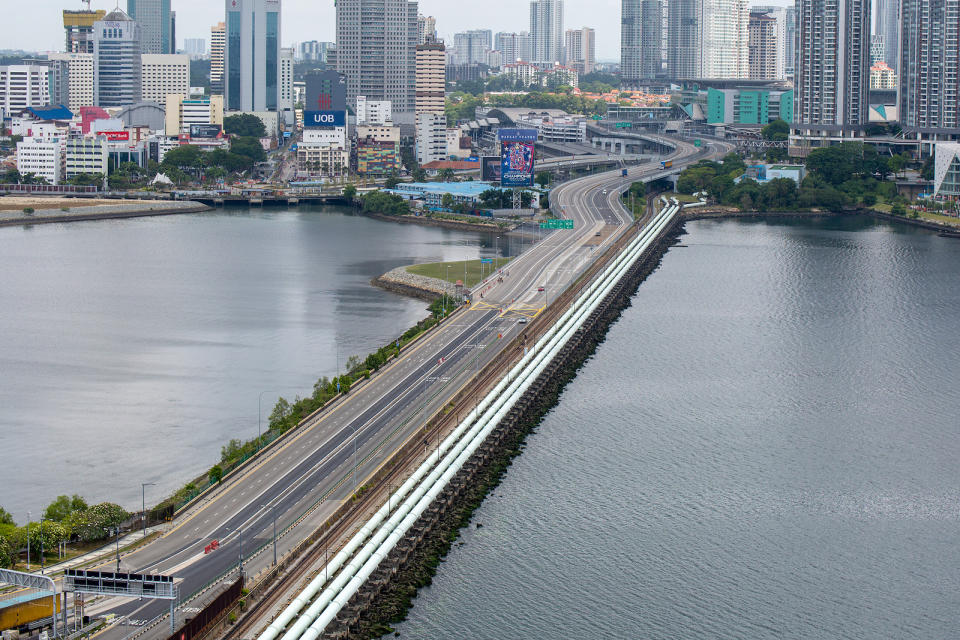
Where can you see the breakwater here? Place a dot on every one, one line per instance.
(386, 596)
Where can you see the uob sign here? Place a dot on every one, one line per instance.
(324, 119)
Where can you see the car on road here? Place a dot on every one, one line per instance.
(540, 289)
(522, 321)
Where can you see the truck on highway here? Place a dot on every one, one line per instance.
(666, 164)
(624, 174)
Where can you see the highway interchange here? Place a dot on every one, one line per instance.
(311, 472)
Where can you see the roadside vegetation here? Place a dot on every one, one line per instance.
(455, 270)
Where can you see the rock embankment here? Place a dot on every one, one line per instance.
(117, 209)
(401, 281)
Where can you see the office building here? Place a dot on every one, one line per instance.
(85, 155)
(946, 170)
(376, 50)
(252, 55)
(431, 139)
(929, 73)
(23, 86)
(580, 49)
(426, 29)
(156, 25)
(833, 73)
(764, 56)
(470, 47)
(748, 106)
(325, 91)
(708, 39)
(79, 29)
(886, 24)
(546, 31)
(116, 61)
(218, 47)
(373, 112)
(43, 157)
(314, 51)
(286, 83)
(162, 75)
(195, 48)
(640, 39)
(181, 112)
(431, 78)
(377, 150)
(78, 91)
(514, 47)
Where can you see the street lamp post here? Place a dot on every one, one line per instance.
(143, 498)
(41, 545)
(29, 517)
(273, 510)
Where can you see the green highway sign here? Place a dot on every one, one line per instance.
(697, 142)
(624, 125)
(556, 224)
(598, 117)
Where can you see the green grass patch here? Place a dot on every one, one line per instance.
(939, 218)
(440, 270)
(683, 198)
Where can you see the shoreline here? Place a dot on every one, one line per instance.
(446, 224)
(952, 230)
(402, 282)
(12, 218)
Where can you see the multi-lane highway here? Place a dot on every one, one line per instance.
(305, 478)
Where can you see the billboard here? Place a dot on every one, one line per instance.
(116, 136)
(324, 119)
(205, 130)
(490, 168)
(516, 157)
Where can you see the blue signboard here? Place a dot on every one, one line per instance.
(517, 157)
(324, 119)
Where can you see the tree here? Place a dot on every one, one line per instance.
(215, 474)
(733, 164)
(447, 201)
(249, 147)
(543, 179)
(776, 131)
(244, 124)
(280, 412)
(418, 174)
(5, 517)
(391, 182)
(184, 157)
(446, 175)
(63, 506)
(897, 163)
(46, 535)
(7, 553)
(350, 192)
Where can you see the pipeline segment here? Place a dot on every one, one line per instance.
(458, 450)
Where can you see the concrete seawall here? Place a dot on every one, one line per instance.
(388, 594)
(99, 212)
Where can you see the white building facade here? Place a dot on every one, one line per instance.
(431, 138)
(23, 86)
(79, 78)
(163, 75)
(43, 157)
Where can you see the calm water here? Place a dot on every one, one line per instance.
(131, 351)
(766, 446)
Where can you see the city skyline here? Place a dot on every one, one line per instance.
(42, 29)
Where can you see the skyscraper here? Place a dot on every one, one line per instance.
(640, 37)
(708, 39)
(376, 50)
(325, 91)
(431, 77)
(546, 30)
(514, 46)
(252, 55)
(886, 23)
(929, 84)
(790, 40)
(764, 54)
(580, 49)
(79, 29)
(779, 14)
(218, 45)
(156, 25)
(426, 29)
(833, 72)
(116, 60)
(470, 47)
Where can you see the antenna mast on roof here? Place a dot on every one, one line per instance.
(87, 2)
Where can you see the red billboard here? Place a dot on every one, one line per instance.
(116, 136)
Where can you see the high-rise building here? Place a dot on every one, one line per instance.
(181, 112)
(79, 29)
(426, 29)
(195, 47)
(470, 47)
(325, 91)
(431, 78)
(882, 77)
(252, 55)
(314, 51)
(580, 49)
(373, 112)
(708, 39)
(886, 23)
(22, 86)
(833, 72)
(640, 39)
(79, 88)
(431, 140)
(218, 47)
(162, 75)
(376, 50)
(514, 46)
(116, 61)
(779, 14)
(790, 41)
(764, 54)
(156, 25)
(546, 31)
(286, 81)
(929, 81)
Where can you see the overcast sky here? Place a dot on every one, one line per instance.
(37, 25)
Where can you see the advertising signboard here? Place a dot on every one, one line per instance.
(516, 157)
(324, 119)
(490, 168)
(116, 136)
(205, 130)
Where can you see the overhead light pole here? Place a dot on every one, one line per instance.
(143, 498)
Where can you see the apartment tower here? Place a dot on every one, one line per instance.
(640, 39)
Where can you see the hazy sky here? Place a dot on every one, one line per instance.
(38, 25)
